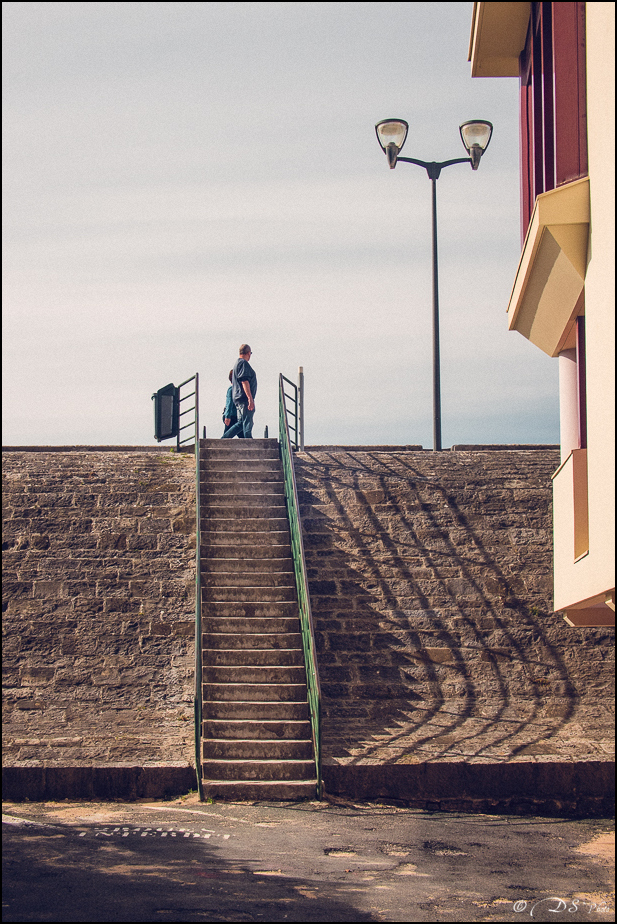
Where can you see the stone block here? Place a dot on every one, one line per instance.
(32, 675)
(112, 541)
(435, 655)
(12, 589)
(185, 628)
(160, 628)
(350, 643)
(495, 654)
(322, 588)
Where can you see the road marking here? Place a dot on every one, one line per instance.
(204, 834)
(18, 822)
(171, 808)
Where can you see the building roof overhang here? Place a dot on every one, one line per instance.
(498, 32)
(550, 278)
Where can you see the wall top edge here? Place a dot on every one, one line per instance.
(93, 449)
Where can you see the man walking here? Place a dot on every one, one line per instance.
(244, 389)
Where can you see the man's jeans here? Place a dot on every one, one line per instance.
(244, 424)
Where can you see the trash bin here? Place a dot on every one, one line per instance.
(166, 412)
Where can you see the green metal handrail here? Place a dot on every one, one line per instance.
(304, 601)
(198, 696)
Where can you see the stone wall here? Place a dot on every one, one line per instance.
(431, 579)
(98, 609)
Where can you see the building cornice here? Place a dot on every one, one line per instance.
(546, 296)
(498, 32)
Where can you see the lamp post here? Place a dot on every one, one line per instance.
(475, 135)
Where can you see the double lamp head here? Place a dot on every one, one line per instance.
(475, 135)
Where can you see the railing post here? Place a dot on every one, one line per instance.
(301, 400)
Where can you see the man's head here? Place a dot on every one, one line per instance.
(245, 351)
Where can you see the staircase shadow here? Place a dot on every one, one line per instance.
(433, 644)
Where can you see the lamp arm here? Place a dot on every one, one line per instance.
(412, 160)
(459, 160)
(433, 168)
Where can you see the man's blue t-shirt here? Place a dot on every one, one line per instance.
(243, 372)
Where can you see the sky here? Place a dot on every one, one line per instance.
(181, 178)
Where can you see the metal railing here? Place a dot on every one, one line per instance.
(304, 602)
(292, 411)
(194, 423)
(198, 694)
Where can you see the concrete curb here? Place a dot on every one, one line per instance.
(585, 788)
(582, 789)
(104, 782)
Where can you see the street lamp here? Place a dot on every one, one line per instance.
(475, 135)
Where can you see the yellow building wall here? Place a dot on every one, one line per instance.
(587, 579)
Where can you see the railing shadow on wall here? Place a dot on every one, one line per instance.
(391, 697)
(304, 602)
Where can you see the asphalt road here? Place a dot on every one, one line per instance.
(307, 861)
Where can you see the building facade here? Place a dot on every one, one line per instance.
(563, 296)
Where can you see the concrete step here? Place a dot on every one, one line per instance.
(239, 467)
(239, 451)
(256, 791)
(250, 610)
(246, 543)
(232, 477)
(262, 729)
(258, 769)
(208, 442)
(247, 500)
(234, 454)
(255, 692)
(240, 524)
(245, 510)
(255, 749)
(245, 629)
(262, 495)
(239, 579)
(250, 710)
(244, 565)
(244, 611)
(219, 492)
(238, 448)
(212, 490)
(253, 657)
(254, 673)
(256, 594)
(246, 553)
(264, 641)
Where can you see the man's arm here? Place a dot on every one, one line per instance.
(247, 391)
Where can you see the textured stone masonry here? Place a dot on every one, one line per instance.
(446, 677)
(431, 578)
(98, 607)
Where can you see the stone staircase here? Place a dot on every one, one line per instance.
(256, 729)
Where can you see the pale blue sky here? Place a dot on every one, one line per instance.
(183, 177)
